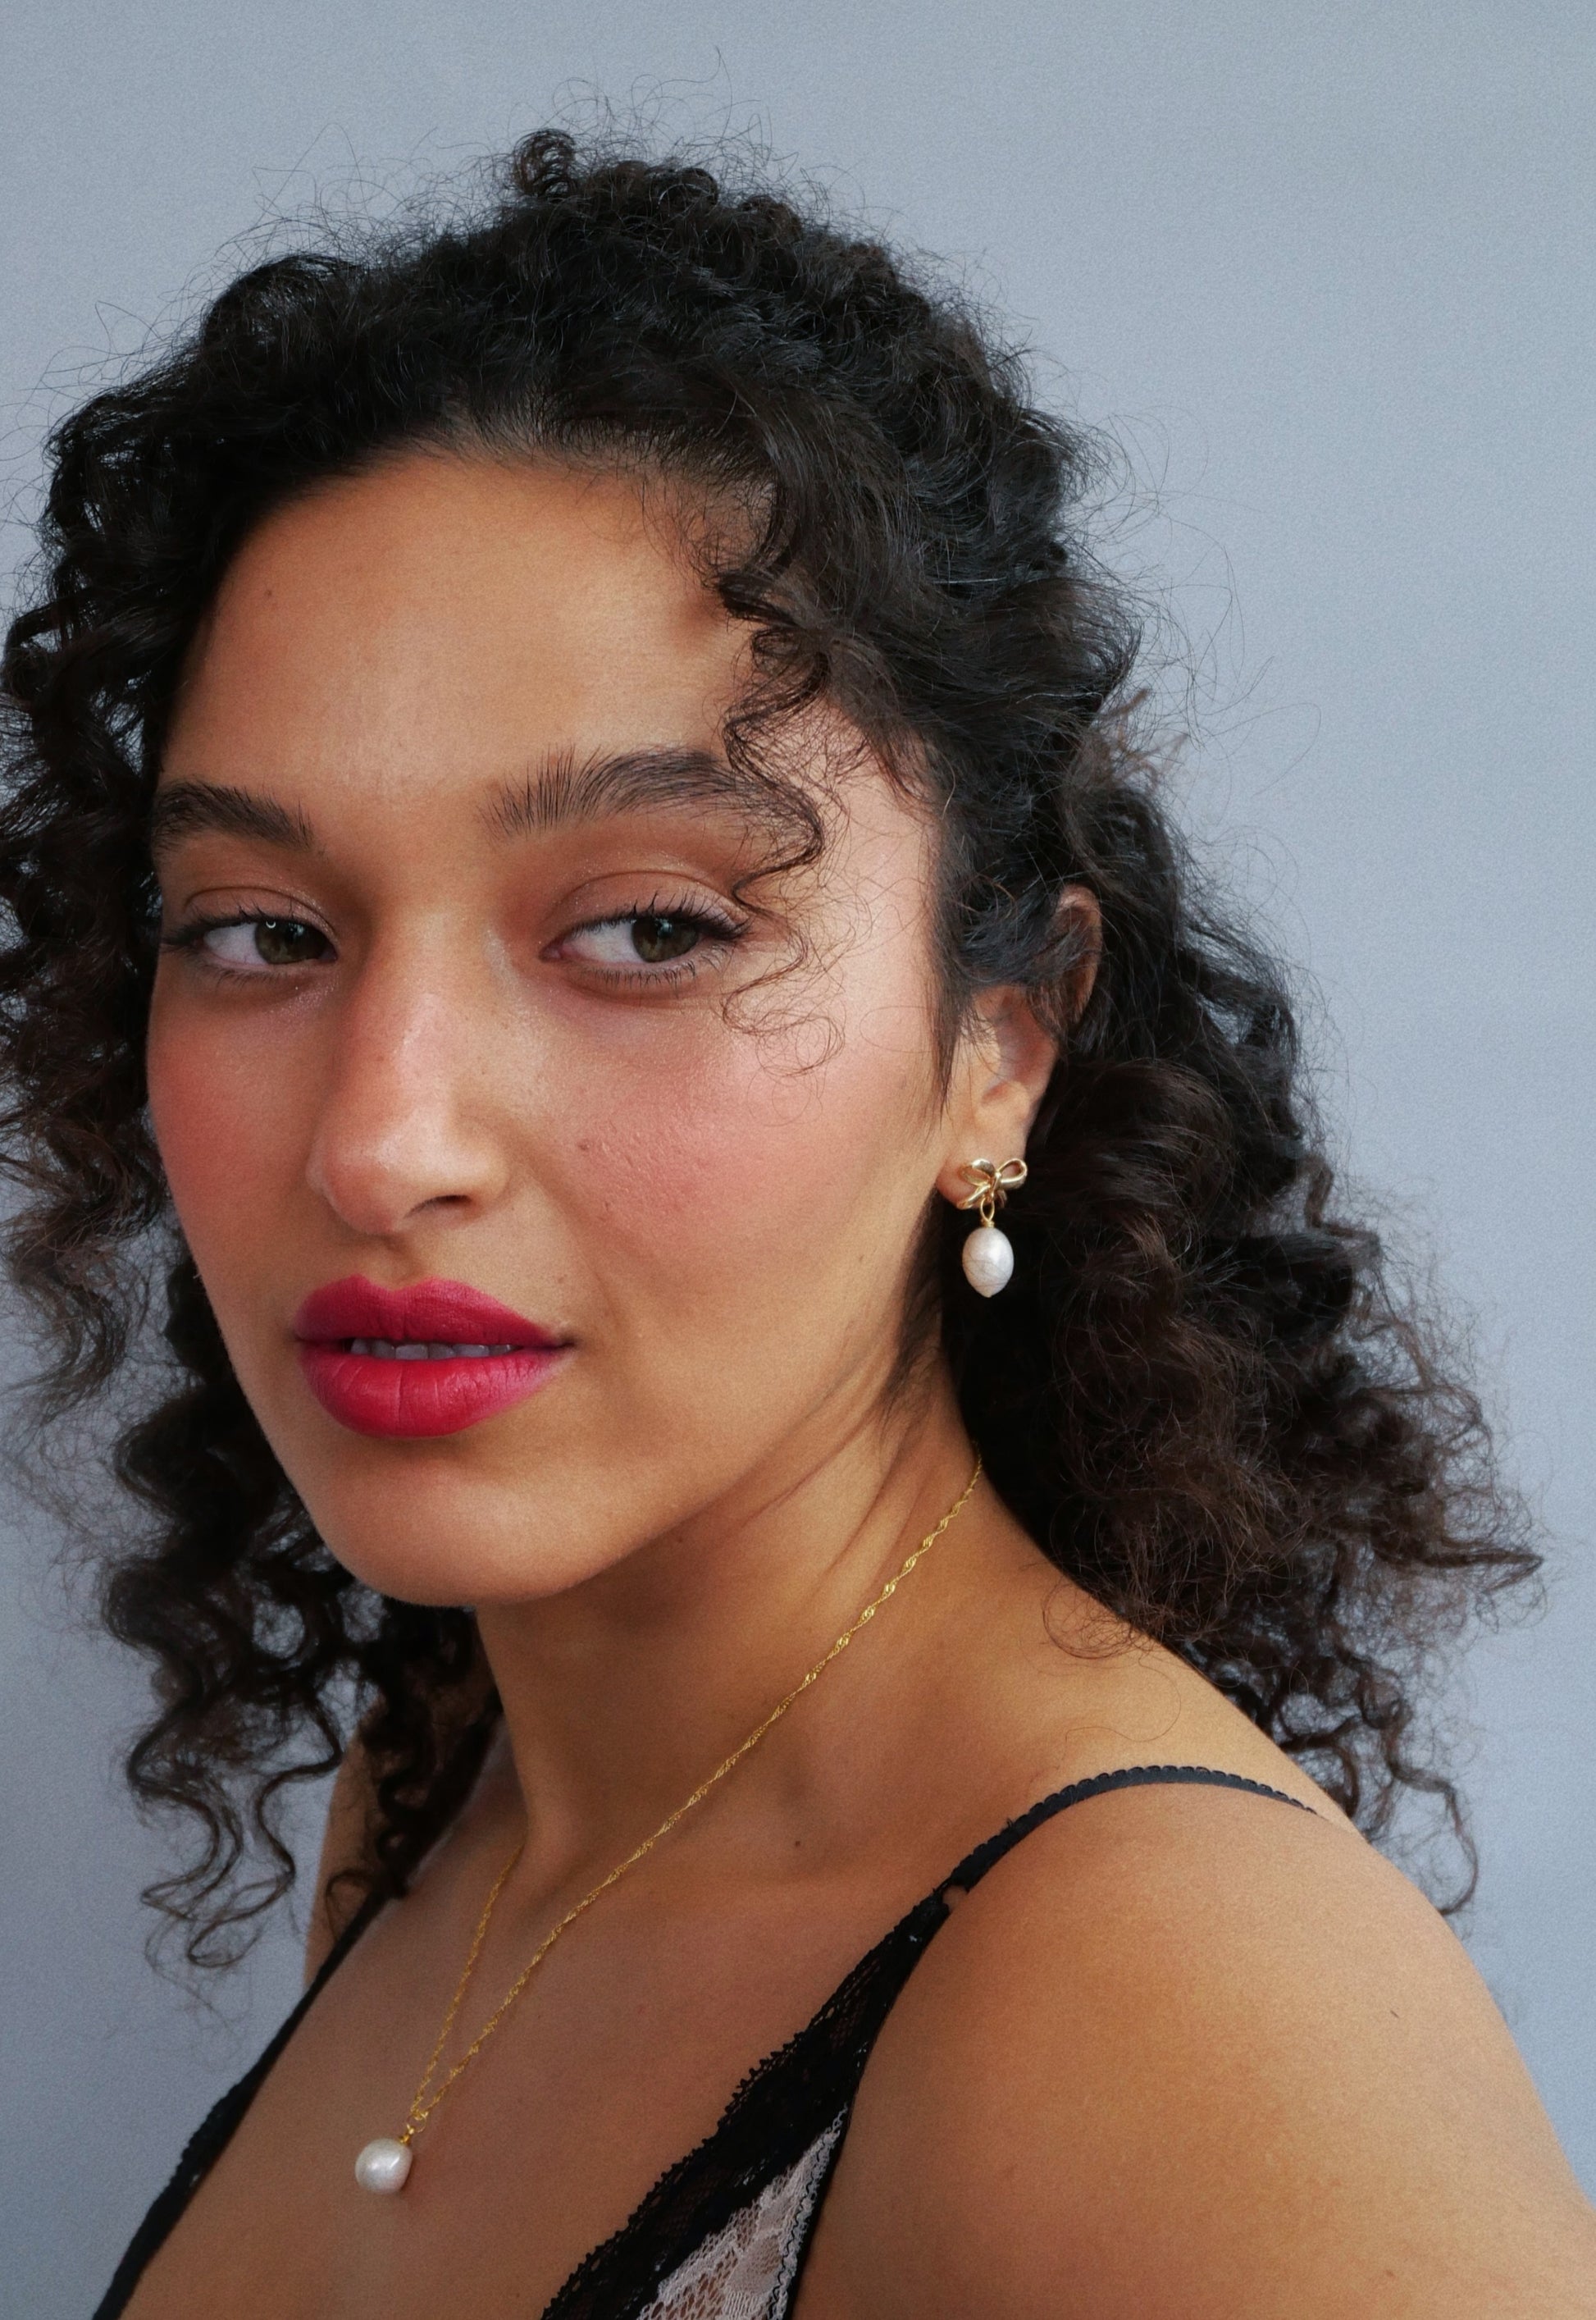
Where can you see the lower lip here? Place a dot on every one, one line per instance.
(411, 1401)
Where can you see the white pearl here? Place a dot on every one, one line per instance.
(988, 1260)
(382, 2165)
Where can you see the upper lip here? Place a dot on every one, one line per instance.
(427, 1312)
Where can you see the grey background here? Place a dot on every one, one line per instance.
(1326, 271)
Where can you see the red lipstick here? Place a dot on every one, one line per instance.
(431, 1359)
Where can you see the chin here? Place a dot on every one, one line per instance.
(440, 1538)
(422, 1570)
(474, 1515)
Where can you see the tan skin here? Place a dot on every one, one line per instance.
(1186, 2052)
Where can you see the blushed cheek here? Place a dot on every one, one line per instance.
(754, 1179)
(212, 1112)
(797, 1140)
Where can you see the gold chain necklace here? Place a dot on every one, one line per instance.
(385, 2164)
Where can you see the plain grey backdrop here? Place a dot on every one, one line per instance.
(1327, 272)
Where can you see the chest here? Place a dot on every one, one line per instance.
(617, 2062)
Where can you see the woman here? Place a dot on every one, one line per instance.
(574, 833)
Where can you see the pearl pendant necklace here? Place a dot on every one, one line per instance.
(385, 2164)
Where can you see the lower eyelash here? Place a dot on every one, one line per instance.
(677, 971)
(661, 978)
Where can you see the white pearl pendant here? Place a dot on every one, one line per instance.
(382, 2165)
(988, 1259)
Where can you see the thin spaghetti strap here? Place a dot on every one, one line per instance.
(974, 1864)
(792, 2108)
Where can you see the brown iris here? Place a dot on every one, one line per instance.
(656, 939)
(288, 942)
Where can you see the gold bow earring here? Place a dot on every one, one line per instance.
(988, 1255)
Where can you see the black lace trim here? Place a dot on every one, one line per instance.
(216, 2130)
(783, 2106)
(791, 2098)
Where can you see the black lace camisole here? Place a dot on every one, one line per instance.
(724, 2233)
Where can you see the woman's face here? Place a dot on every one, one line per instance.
(463, 991)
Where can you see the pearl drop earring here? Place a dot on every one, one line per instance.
(988, 1255)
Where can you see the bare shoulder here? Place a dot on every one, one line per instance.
(1189, 2051)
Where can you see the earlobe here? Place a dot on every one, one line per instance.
(1009, 1060)
(1011, 1050)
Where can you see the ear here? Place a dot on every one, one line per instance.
(1007, 1054)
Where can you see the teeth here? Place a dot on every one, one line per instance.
(386, 1350)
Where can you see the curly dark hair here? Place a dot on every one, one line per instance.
(1202, 1395)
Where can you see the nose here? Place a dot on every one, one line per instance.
(406, 1129)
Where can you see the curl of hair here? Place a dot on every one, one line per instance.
(1201, 1393)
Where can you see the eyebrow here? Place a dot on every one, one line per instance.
(565, 788)
(187, 807)
(562, 789)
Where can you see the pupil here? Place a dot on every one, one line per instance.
(656, 938)
(287, 942)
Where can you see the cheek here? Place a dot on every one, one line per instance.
(757, 1180)
(223, 1126)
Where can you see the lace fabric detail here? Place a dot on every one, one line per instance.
(746, 2270)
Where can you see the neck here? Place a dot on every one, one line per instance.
(622, 1694)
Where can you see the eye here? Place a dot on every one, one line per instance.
(286, 942)
(247, 946)
(645, 938)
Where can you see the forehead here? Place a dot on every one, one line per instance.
(452, 615)
(412, 664)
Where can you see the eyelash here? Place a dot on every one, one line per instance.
(720, 929)
(191, 936)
